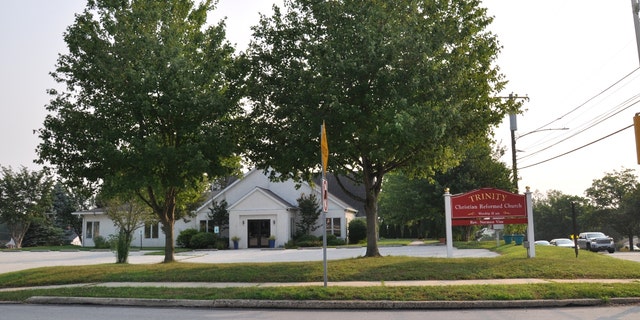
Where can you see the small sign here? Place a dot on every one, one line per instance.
(325, 195)
(216, 229)
(484, 222)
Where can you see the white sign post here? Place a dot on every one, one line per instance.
(447, 215)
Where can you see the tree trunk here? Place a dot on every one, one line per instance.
(17, 233)
(169, 246)
(372, 184)
(168, 218)
(372, 229)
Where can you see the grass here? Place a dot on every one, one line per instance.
(549, 263)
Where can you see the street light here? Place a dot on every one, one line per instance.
(514, 127)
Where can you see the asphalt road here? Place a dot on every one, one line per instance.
(66, 312)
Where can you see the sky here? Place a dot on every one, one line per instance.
(575, 61)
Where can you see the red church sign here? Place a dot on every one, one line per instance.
(488, 206)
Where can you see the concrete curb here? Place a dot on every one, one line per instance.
(329, 304)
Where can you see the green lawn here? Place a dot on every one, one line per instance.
(549, 263)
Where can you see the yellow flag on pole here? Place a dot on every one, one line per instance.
(324, 147)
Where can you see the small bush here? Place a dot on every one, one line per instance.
(203, 240)
(332, 240)
(357, 230)
(291, 244)
(101, 243)
(184, 238)
(222, 243)
(308, 241)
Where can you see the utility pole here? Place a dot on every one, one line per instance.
(635, 8)
(513, 124)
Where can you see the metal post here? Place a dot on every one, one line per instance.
(324, 244)
(575, 227)
(635, 8)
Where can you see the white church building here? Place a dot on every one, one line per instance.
(258, 209)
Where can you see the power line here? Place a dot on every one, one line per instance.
(601, 118)
(576, 149)
(590, 99)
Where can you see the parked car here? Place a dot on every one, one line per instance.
(596, 241)
(542, 243)
(563, 242)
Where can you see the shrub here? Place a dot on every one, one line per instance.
(332, 240)
(222, 243)
(291, 244)
(101, 243)
(184, 238)
(308, 241)
(357, 230)
(203, 240)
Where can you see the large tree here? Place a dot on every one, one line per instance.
(404, 84)
(418, 202)
(25, 197)
(65, 202)
(148, 106)
(553, 214)
(614, 197)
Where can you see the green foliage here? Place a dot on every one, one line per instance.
(122, 245)
(357, 230)
(25, 197)
(203, 240)
(64, 203)
(219, 214)
(304, 241)
(222, 243)
(184, 238)
(553, 215)
(611, 196)
(332, 240)
(127, 214)
(412, 207)
(101, 242)
(309, 213)
(149, 104)
(43, 233)
(376, 72)
(519, 229)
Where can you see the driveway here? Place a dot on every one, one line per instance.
(21, 260)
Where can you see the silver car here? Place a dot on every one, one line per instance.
(563, 242)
